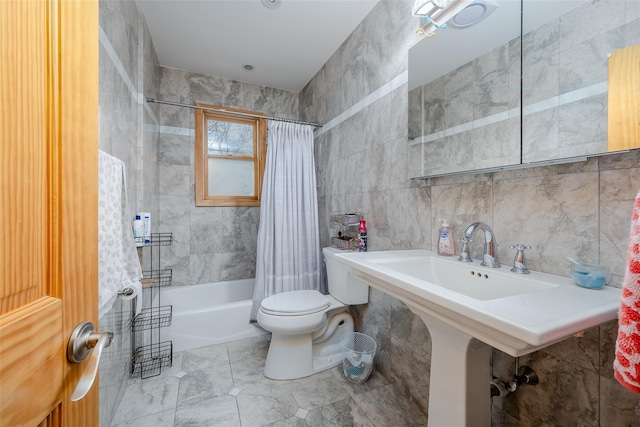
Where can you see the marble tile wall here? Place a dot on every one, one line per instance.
(210, 243)
(149, 130)
(581, 209)
(127, 130)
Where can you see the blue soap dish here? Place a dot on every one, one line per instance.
(590, 276)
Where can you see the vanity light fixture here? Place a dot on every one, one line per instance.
(425, 7)
(271, 4)
(473, 13)
(434, 14)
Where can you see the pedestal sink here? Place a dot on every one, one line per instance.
(468, 309)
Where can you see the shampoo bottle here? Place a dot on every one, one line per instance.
(445, 240)
(138, 231)
(146, 220)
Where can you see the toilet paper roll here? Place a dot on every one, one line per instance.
(136, 287)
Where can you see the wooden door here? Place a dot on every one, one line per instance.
(48, 206)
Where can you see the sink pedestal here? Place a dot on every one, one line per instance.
(459, 389)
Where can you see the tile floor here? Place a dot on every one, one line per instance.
(223, 386)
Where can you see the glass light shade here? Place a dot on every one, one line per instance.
(441, 3)
(422, 7)
(425, 7)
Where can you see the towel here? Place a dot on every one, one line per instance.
(626, 365)
(118, 262)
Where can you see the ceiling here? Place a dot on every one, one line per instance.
(286, 45)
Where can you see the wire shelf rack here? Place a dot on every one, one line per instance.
(156, 278)
(346, 219)
(149, 360)
(153, 318)
(160, 239)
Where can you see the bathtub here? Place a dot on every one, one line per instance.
(209, 313)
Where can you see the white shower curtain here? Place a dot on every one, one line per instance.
(288, 256)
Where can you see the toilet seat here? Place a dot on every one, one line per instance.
(295, 303)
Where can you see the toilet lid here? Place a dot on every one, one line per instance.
(295, 303)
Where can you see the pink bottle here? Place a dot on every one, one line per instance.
(362, 236)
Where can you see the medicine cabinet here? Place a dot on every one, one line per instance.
(510, 92)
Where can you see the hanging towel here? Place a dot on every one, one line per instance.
(626, 365)
(118, 262)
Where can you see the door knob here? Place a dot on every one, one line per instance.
(84, 339)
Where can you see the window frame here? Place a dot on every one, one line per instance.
(202, 155)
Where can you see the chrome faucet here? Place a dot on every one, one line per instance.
(489, 257)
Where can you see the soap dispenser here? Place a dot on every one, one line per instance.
(445, 240)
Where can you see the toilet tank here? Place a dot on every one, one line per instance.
(343, 285)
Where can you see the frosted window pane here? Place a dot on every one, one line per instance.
(229, 177)
(229, 139)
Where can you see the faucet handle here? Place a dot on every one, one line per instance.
(520, 261)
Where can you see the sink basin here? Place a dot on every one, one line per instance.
(515, 313)
(464, 278)
(468, 309)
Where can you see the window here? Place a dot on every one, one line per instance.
(230, 153)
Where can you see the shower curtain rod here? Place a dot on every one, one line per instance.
(220, 110)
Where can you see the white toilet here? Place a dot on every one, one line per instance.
(306, 326)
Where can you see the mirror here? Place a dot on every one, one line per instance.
(566, 68)
(464, 86)
(464, 90)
